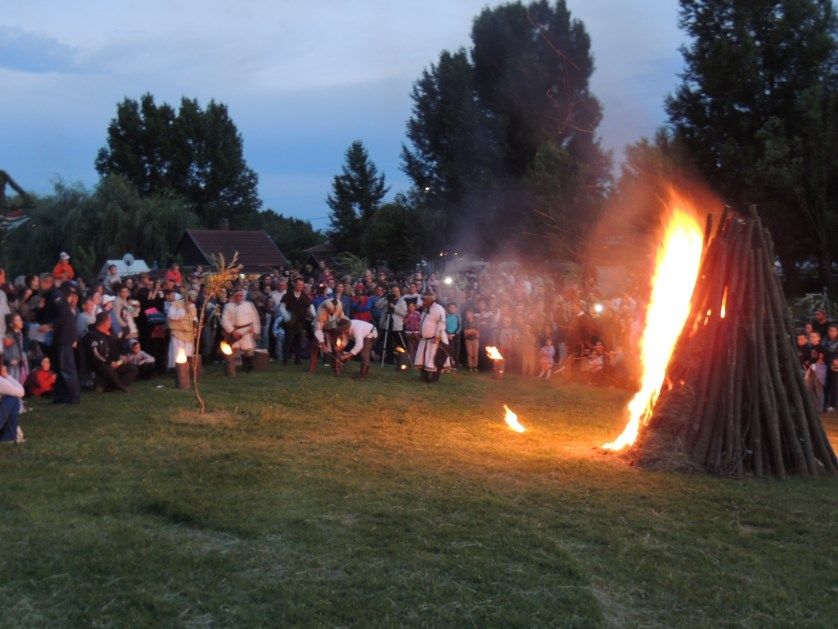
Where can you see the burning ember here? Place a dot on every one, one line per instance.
(675, 275)
(493, 353)
(226, 349)
(511, 419)
(180, 359)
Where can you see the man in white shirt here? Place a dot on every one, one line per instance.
(240, 321)
(432, 352)
(363, 335)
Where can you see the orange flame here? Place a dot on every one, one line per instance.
(226, 349)
(493, 353)
(181, 356)
(400, 349)
(723, 309)
(676, 272)
(511, 419)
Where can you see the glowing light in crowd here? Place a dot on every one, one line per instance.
(493, 353)
(676, 271)
(181, 356)
(226, 349)
(511, 420)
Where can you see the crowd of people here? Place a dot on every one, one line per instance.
(63, 335)
(817, 350)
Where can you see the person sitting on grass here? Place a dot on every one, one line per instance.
(41, 381)
(103, 355)
(11, 392)
(144, 361)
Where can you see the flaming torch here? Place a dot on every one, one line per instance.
(402, 358)
(499, 364)
(229, 359)
(182, 380)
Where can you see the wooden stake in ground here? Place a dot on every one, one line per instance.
(734, 402)
(225, 274)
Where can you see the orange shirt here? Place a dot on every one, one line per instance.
(63, 270)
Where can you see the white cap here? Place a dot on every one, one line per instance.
(108, 299)
(64, 255)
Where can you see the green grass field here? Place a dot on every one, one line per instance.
(323, 501)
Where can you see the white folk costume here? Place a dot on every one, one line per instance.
(242, 319)
(181, 317)
(432, 332)
(325, 324)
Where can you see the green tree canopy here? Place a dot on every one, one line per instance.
(756, 109)
(196, 153)
(292, 235)
(93, 226)
(357, 194)
(502, 137)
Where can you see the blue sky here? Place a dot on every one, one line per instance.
(302, 79)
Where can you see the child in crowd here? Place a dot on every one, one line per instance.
(471, 335)
(412, 321)
(453, 327)
(15, 356)
(145, 362)
(833, 385)
(547, 358)
(508, 337)
(815, 378)
(41, 381)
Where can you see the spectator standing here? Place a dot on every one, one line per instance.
(454, 328)
(174, 275)
(547, 356)
(67, 388)
(63, 271)
(471, 337)
(296, 309)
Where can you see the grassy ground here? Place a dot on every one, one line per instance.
(310, 500)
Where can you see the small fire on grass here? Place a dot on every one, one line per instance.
(511, 420)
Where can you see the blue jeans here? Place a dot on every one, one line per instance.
(9, 413)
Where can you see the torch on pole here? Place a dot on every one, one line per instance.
(498, 362)
(229, 359)
(182, 379)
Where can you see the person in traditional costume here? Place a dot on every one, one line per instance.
(327, 340)
(432, 352)
(363, 335)
(241, 322)
(181, 317)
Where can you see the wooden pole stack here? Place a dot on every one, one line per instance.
(734, 401)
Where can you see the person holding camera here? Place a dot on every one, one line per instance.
(392, 322)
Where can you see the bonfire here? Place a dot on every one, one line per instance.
(721, 389)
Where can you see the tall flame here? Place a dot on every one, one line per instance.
(676, 272)
(511, 420)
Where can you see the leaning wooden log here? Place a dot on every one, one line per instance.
(735, 403)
